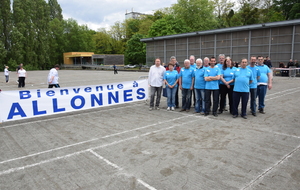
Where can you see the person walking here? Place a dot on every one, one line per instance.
(53, 77)
(22, 76)
(171, 80)
(242, 78)
(115, 69)
(6, 74)
(155, 80)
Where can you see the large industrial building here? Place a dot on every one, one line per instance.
(278, 40)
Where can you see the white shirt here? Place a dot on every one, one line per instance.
(22, 72)
(53, 72)
(6, 72)
(156, 76)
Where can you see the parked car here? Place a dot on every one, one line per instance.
(129, 66)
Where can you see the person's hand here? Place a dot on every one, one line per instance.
(269, 86)
(180, 87)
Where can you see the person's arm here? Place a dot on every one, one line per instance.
(180, 83)
(269, 81)
(192, 86)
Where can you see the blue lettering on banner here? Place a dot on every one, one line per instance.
(73, 102)
(112, 97)
(35, 109)
(55, 108)
(98, 100)
(114, 94)
(24, 94)
(14, 112)
(127, 96)
(141, 92)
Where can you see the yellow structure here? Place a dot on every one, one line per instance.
(78, 58)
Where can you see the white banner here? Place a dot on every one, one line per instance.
(24, 104)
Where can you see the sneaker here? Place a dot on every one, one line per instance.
(157, 108)
(172, 108)
(168, 109)
(201, 113)
(150, 109)
(261, 110)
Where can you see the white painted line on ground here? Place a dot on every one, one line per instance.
(262, 175)
(83, 151)
(282, 95)
(83, 142)
(120, 169)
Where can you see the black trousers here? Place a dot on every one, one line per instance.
(21, 82)
(224, 91)
(215, 94)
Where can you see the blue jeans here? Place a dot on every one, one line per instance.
(261, 93)
(171, 92)
(253, 95)
(237, 96)
(186, 98)
(200, 101)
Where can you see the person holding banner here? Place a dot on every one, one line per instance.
(155, 80)
(53, 77)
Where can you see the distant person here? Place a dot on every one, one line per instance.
(18, 68)
(290, 63)
(22, 76)
(171, 80)
(115, 69)
(6, 74)
(53, 77)
(155, 80)
(243, 77)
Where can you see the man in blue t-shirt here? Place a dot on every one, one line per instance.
(186, 83)
(253, 85)
(243, 77)
(212, 76)
(264, 83)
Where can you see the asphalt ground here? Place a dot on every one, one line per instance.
(129, 147)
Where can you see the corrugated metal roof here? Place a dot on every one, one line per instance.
(224, 30)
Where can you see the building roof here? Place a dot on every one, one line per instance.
(225, 30)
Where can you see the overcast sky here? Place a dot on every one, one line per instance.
(104, 13)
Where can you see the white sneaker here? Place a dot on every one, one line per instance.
(157, 108)
(173, 109)
(150, 109)
(168, 109)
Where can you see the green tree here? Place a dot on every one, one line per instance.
(223, 10)
(168, 25)
(286, 6)
(55, 10)
(135, 50)
(5, 31)
(197, 14)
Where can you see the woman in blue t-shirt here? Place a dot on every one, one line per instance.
(226, 84)
(171, 80)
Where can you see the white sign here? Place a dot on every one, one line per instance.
(24, 104)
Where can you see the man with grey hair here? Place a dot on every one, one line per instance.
(186, 83)
(206, 62)
(199, 86)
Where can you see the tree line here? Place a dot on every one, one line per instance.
(34, 32)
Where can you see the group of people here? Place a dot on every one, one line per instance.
(208, 83)
(22, 74)
(291, 63)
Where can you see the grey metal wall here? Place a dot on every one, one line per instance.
(279, 43)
